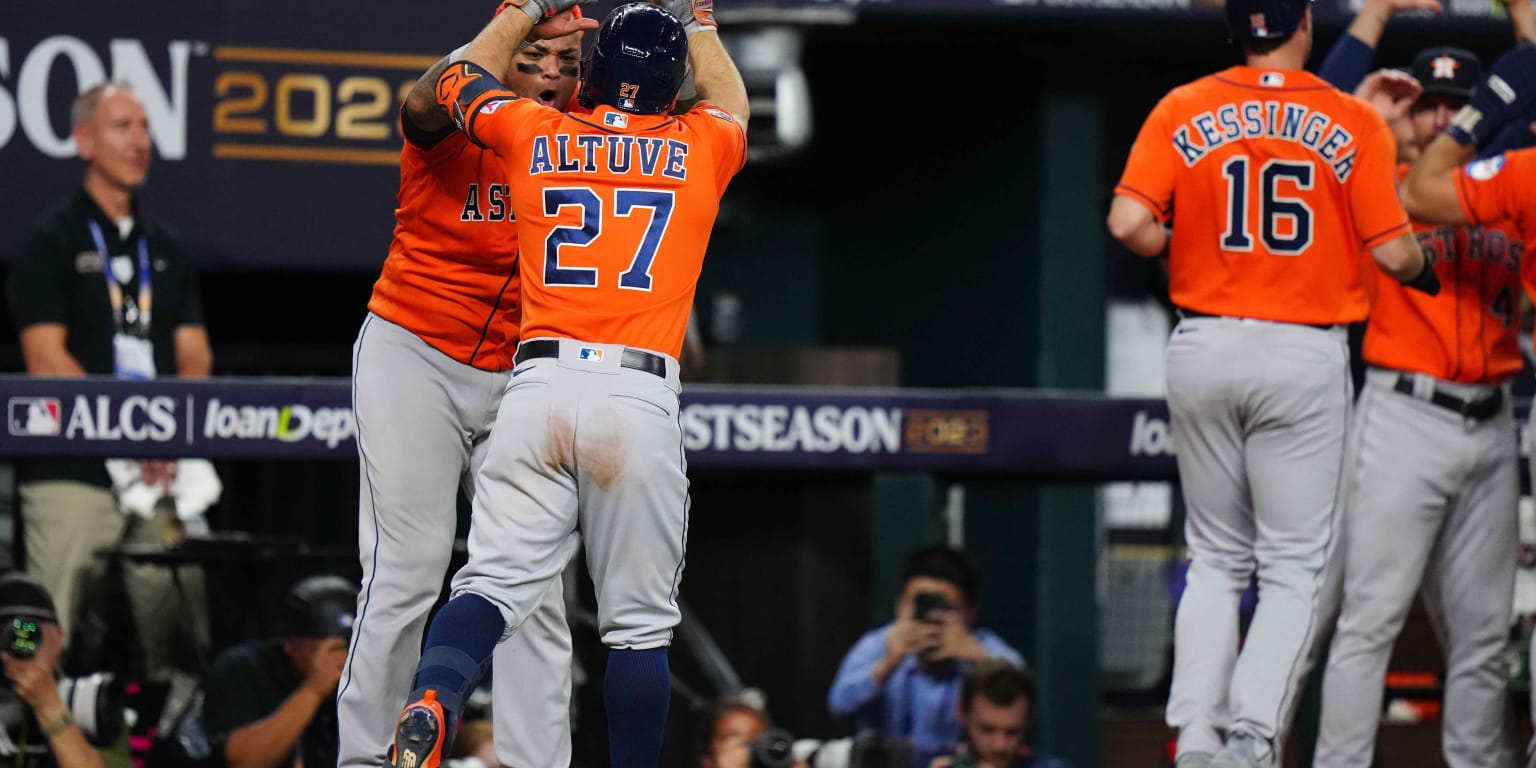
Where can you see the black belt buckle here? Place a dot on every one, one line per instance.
(633, 359)
(1486, 408)
(1476, 410)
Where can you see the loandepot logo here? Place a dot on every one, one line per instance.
(288, 423)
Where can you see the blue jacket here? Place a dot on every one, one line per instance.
(912, 704)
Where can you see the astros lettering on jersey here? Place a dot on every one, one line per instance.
(451, 275)
(1470, 332)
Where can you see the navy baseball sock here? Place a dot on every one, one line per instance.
(459, 645)
(636, 691)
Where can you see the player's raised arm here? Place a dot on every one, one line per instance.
(469, 84)
(1429, 191)
(1350, 58)
(1522, 15)
(715, 77)
(1136, 226)
(422, 109)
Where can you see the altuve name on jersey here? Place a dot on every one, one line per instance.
(1267, 120)
(582, 153)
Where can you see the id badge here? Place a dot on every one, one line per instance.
(133, 357)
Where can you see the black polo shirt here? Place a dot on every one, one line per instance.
(247, 683)
(57, 276)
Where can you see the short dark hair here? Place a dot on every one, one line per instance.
(1265, 45)
(999, 680)
(945, 564)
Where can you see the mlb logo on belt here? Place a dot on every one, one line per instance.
(592, 354)
(35, 416)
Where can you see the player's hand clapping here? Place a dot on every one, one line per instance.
(561, 24)
(1387, 8)
(1393, 92)
(696, 15)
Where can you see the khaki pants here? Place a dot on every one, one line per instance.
(65, 523)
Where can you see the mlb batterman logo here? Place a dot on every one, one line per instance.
(592, 354)
(616, 120)
(35, 416)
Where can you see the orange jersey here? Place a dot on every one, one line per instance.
(1501, 187)
(1470, 332)
(614, 212)
(451, 275)
(1273, 181)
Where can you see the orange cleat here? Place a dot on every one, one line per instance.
(419, 734)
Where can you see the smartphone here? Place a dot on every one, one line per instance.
(926, 604)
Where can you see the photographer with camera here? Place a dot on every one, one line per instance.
(903, 679)
(273, 702)
(738, 734)
(996, 702)
(31, 642)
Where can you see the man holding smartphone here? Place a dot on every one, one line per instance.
(903, 679)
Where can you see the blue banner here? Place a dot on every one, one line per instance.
(781, 428)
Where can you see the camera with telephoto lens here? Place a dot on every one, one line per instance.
(773, 748)
(95, 702)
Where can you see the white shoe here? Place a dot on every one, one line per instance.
(1243, 750)
(1193, 760)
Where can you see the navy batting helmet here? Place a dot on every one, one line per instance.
(320, 606)
(637, 63)
(1264, 19)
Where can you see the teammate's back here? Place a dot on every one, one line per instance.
(1273, 180)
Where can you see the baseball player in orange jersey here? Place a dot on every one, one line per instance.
(1274, 182)
(429, 368)
(614, 217)
(1432, 474)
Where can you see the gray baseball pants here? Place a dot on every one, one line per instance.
(423, 424)
(1433, 499)
(583, 443)
(1259, 413)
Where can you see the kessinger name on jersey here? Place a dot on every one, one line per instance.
(1283, 120)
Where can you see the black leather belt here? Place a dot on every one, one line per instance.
(1476, 410)
(633, 359)
(1191, 313)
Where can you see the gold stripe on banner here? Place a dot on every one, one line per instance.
(333, 58)
(307, 154)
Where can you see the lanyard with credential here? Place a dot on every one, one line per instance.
(115, 291)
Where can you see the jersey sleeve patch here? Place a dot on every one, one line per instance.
(720, 113)
(1486, 168)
